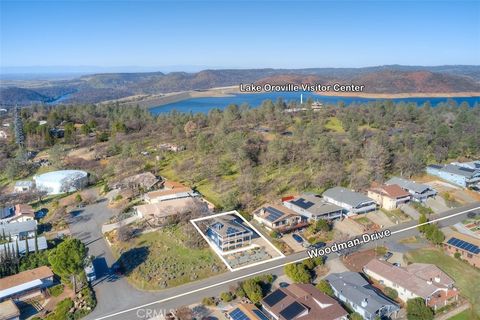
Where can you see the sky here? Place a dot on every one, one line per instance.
(116, 35)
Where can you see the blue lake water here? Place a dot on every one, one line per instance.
(203, 105)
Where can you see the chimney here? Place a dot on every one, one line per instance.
(429, 281)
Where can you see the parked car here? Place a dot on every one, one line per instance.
(318, 245)
(297, 238)
(90, 272)
(386, 256)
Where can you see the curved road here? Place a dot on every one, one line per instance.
(118, 300)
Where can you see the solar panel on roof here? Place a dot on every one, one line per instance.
(467, 246)
(260, 314)
(238, 314)
(274, 297)
(302, 203)
(293, 310)
(466, 169)
(231, 231)
(274, 214)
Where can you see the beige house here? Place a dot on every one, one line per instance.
(422, 280)
(279, 218)
(389, 197)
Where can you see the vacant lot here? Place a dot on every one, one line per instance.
(467, 278)
(162, 259)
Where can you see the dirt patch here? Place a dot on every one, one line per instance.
(355, 261)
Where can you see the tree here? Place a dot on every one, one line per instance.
(391, 293)
(18, 126)
(422, 219)
(298, 272)
(226, 296)
(325, 287)
(253, 290)
(78, 198)
(67, 259)
(417, 310)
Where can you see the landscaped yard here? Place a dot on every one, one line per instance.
(162, 259)
(464, 315)
(466, 277)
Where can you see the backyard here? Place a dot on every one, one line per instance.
(163, 258)
(466, 277)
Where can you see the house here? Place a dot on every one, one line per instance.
(145, 181)
(313, 207)
(22, 245)
(352, 202)
(302, 302)
(169, 194)
(417, 280)
(19, 230)
(26, 284)
(9, 310)
(463, 175)
(389, 197)
(246, 311)
(420, 192)
(351, 288)
(23, 186)
(228, 233)
(279, 218)
(22, 213)
(467, 246)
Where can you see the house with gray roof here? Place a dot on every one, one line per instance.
(420, 192)
(314, 207)
(22, 245)
(461, 174)
(352, 289)
(228, 233)
(19, 230)
(353, 202)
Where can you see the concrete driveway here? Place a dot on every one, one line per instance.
(86, 224)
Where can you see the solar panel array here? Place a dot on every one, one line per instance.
(302, 203)
(238, 314)
(274, 298)
(260, 314)
(293, 310)
(464, 245)
(231, 231)
(274, 214)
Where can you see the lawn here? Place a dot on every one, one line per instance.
(161, 259)
(464, 315)
(335, 125)
(467, 278)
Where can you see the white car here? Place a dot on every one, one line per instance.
(90, 272)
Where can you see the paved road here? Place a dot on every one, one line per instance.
(133, 304)
(86, 224)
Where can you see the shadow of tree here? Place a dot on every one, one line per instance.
(132, 258)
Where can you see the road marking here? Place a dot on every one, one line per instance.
(434, 220)
(263, 271)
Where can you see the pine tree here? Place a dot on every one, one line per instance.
(18, 124)
(17, 249)
(27, 249)
(36, 242)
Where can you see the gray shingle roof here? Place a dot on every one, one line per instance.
(409, 185)
(356, 289)
(315, 205)
(15, 228)
(349, 197)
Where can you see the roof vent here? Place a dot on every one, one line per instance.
(437, 279)
(429, 281)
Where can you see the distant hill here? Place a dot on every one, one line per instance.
(109, 86)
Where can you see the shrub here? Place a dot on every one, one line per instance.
(325, 287)
(298, 273)
(457, 255)
(61, 311)
(240, 292)
(417, 310)
(56, 290)
(391, 293)
(209, 301)
(226, 296)
(253, 290)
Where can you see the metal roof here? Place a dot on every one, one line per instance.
(15, 228)
(346, 196)
(41, 241)
(409, 185)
